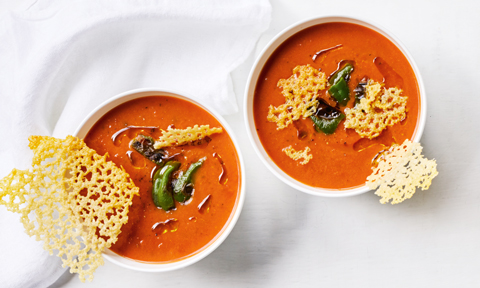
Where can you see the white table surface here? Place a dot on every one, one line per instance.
(285, 238)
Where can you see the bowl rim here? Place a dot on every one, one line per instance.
(257, 67)
(126, 96)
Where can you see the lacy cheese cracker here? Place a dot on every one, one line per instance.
(177, 137)
(380, 108)
(76, 200)
(297, 155)
(400, 171)
(300, 92)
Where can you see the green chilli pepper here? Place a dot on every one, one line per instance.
(183, 188)
(339, 89)
(340, 92)
(162, 192)
(342, 73)
(327, 126)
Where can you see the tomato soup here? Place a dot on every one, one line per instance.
(152, 234)
(343, 159)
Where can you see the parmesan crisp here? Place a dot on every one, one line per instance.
(76, 200)
(297, 155)
(380, 108)
(177, 137)
(300, 92)
(400, 172)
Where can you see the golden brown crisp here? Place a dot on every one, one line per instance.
(76, 199)
(300, 91)
(380, 108)
(400, 172)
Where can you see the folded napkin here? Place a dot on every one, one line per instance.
(60, 59)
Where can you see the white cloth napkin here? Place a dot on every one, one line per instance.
(60, 59)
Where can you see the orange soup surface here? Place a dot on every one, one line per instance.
(343, 159)
(152, 234)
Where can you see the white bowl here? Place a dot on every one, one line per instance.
(252, 83)
(113, 102)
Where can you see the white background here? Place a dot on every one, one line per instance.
(285, 238)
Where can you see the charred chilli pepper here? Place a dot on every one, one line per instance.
(144, 145)
(339, 89)
(183, 187)
(327, 118)
(162, 191)
(360, 90)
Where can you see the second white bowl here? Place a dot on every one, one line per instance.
(252, 83)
